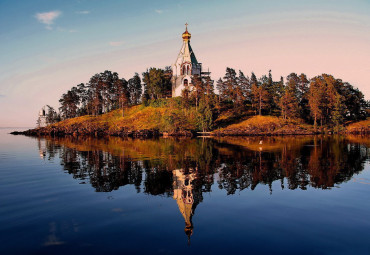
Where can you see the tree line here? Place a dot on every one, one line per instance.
(321, 100)
(106, 91)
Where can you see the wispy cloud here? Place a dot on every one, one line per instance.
(48, 18)
(1, 95)
(116, 43)
(82, 12)
(158, 11)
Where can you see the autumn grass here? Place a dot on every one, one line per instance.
(262, 125)
(163, 118)
(359, 127)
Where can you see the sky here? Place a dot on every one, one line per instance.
(47, 47)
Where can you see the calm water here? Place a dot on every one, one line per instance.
(307, 195)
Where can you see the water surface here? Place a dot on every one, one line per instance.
(292, 195)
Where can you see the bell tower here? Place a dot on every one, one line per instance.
(185, 67)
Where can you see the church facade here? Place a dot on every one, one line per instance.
(185, 67)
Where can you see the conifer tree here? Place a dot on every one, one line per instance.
(289, 99)
(230, 85)
(260, 95)
(221, 90)
(135, 89)
(245, 85)
(303, 89)
(315, 98)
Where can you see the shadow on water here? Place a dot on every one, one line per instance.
(186, 168)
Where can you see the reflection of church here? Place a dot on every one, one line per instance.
(42, 147)
(186, 196)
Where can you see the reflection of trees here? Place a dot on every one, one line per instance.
(242, 163)
(184, 169)
(318, 162)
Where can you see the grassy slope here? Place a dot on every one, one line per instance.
(138, 117)
(170, 117)
(266, 125)
(359, 127)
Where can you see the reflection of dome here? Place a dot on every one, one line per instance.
(186, 35)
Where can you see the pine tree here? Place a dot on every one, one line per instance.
(245, 85)
(303, 89)
(135, 89)
(260, 96)
(230, 85)
(289, 99)
(221, 90)
(315, 98)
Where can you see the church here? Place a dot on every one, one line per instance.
(185, 67)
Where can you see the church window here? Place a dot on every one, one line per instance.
(185, 82)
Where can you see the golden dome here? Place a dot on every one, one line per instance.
(186, 35)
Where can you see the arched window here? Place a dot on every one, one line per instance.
(187, 69)
(186, 82)
(183, 70)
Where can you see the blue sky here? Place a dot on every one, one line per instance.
(47, 47)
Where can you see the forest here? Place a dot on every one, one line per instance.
(321, 101)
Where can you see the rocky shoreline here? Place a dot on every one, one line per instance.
(99, 132)
(268, 129)
(146, 133)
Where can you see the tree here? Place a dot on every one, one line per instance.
(157, 84)
(289, 100)
(338, 112)
(199, 90)
(230, 84)
(51, 116)
(135, 89)
(221, 89)
(208, 89)
(69, 103)
(260, 95)
(185, 98)
(315, 98)
(353, 101)
(303, 89)
(245, 86)
(205, 117)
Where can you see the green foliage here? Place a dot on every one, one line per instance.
(204, 116)
(157, 83)
(321, 100)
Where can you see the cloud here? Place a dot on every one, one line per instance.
(82, 12)
(1, 96)
(158, 11)
(47, 18)
(116, 43)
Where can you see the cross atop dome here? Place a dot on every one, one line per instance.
(186, 35)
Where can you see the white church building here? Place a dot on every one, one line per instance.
(185, 67)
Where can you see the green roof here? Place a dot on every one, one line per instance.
(192, 55)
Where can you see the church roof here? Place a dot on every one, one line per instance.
(186, 53)
(192, 55)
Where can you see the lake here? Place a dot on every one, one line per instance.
(238, 195)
